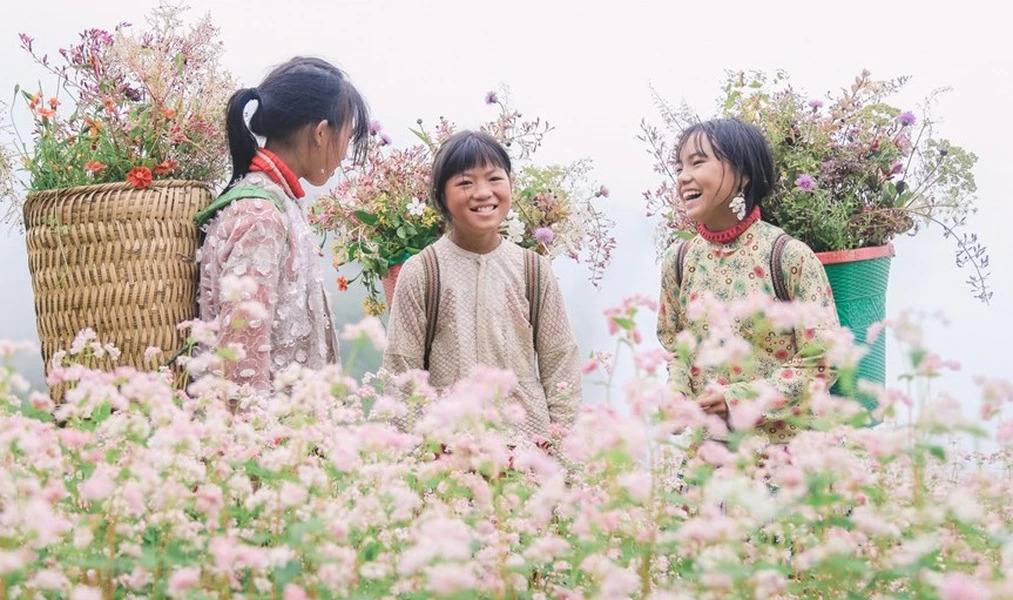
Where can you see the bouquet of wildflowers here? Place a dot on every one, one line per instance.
(381, 216)
(855, 171)
(129, 106)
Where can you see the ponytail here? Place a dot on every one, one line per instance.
(242, 143)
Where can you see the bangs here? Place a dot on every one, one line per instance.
(472, 152)
(694, 135)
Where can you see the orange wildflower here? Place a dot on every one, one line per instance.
(166, 167)
(342, 284)
(94, 166)
(139, 177)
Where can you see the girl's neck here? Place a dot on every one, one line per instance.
(482, 243)
(290, 157)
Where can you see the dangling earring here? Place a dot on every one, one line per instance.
(738, 206)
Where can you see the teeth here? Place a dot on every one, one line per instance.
(484, 209)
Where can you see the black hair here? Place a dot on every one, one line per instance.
(301, 91)
(744, 148)
(462, 151)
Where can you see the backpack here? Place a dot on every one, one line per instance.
(533, 288)
(235, 193)
(776, 271)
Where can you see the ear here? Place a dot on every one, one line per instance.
(320, 132)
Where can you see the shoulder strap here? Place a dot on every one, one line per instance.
(681, 258)
(533, 289)
(235, 193)
(777, 268)
(431, 267)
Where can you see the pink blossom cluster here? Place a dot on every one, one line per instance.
(132, 487)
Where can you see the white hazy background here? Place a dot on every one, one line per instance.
(586, 68)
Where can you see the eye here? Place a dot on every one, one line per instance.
(463, 182)
(496, 178)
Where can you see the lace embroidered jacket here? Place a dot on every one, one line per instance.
(252, 238)
(736, 270)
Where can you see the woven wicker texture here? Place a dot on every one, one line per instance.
(116, 259)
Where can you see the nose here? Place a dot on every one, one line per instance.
(683, 178)
(481, 190)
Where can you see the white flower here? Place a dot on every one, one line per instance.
(416, 207)
(513, 227)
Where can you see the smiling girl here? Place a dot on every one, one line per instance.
(724, 172)
(474, 297)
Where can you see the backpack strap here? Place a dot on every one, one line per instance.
(533, 289)
(235, 193)
(777, 268)
(431, 300)
(683, 251)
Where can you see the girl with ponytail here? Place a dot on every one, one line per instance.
(261, 279)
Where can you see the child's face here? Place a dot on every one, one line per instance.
(478, 199)
(331, 151)
(705, 183)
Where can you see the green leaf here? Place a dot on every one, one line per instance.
(367, 218)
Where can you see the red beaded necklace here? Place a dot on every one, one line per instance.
(267, 162)
(728, 235)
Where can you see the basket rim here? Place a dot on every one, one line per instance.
(117, 186)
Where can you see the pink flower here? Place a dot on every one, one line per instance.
(544, 235)
(370, 329)
(715, 454)
(374, 127)
(958, 586)
(294, 592)
(449, 579)
(98, 486)
(83, 592)
(589, 366)
(744, 415)
(183, 580)
(1004, 434)
(603, 192)
(491, 98)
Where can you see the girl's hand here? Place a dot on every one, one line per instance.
(713, 403)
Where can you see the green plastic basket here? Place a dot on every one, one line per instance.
(859, 285)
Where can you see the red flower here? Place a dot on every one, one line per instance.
(169, 113)
(166, 167)
(94, 166)
(342, 284)
(139, 177)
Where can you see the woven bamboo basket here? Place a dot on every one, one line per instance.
(116, 259)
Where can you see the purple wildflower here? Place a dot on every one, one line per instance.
(26, 41)
(805, 182)
(385, 139)
(544, 235)
(603, 192)
(906, 118)
(374, 127)
(491, 98)
(815, 104)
